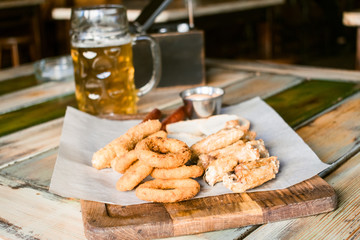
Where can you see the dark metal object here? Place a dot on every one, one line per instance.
(182, 53)
(148, 15)
(182, 57)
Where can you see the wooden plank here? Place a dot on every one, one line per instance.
(335, 133)
(28, 213)
(14, 72)
(104, 221)
(287, 69)
(36, 171)
(14, 84)
(219, 77)
(16, 78)
(35, 95)
(165, 98)
(343, 223)
(20, 119)
(263, 85)
(303, 101)
(30, 142)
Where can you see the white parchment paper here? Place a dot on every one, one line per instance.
(84, 134)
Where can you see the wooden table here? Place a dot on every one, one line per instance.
(322, 105)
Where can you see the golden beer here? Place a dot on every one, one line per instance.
(101, 49)
(104, 78)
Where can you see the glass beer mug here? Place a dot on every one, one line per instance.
(101, 49)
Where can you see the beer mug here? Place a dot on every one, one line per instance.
(101, 49)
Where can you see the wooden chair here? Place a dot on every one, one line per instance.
(20, 26)
(12, 43)
(352, 19)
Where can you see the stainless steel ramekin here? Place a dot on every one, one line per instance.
(202, 102)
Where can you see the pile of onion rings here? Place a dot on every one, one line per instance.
(145, 150)
(163, 158)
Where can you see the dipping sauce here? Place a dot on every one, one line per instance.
(202, 102)
(201, 96)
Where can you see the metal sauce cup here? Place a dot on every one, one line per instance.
(202, 102)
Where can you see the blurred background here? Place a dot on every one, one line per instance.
(305, 32)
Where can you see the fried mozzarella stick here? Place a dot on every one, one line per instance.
(217, 163)
(251, 174)
(217, 140)
(241, 151)
(217, 169)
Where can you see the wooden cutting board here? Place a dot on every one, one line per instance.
(155, 220)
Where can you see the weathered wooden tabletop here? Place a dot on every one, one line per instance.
(322, 105)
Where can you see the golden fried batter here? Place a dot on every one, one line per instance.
(169, 190)
(120, 164)
(123, 144)
(241, 151)
(218, 168)
(184, 171)
(251, 174)
(133, 176)
(243, 123)
(163, 152)
(217, 140)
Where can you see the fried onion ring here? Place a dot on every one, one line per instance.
(192, 171)
(120, 164)
(166, 191)
(163, 152)
(133, 176)
(123, 144)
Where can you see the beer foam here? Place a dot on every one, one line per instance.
(95, 43)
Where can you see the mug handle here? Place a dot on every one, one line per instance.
(156, 57)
